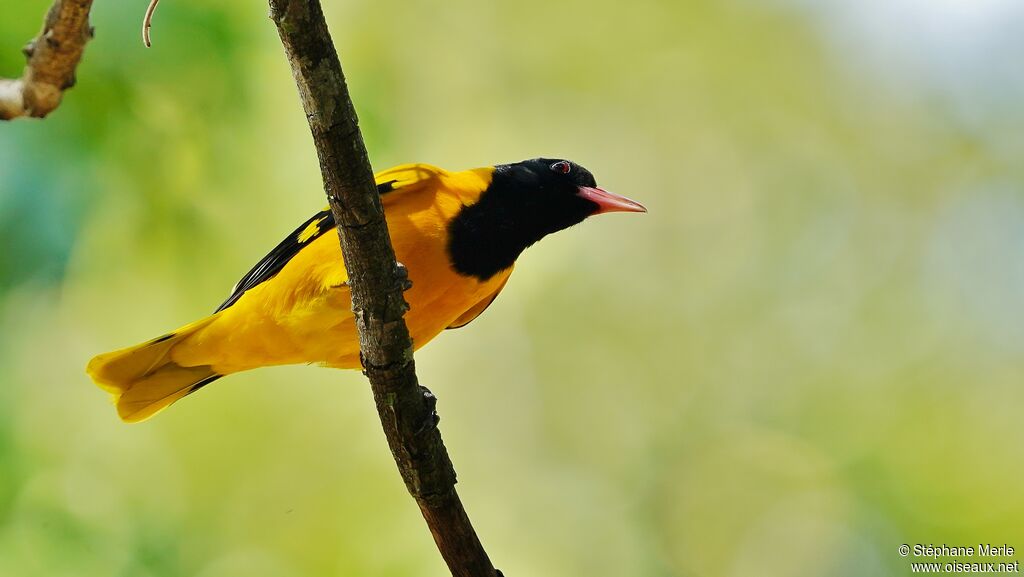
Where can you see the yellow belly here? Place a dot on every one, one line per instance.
(303, 314)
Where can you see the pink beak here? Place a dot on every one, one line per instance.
(609, 202)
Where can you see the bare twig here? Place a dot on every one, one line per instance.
(406, 410)
(52, 59)
(147, 22)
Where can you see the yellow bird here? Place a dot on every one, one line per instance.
(457, 233)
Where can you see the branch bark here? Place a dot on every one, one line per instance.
(52, 56)
(377, 283)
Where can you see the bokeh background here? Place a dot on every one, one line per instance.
(810, 351)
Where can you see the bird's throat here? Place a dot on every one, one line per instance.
(486, 238)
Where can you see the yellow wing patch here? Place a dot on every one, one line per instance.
(314, 228)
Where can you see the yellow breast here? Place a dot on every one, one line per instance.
(303, 314)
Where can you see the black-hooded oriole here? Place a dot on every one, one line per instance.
(457, 233)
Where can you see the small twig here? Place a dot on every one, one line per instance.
(52, 57)
(147, 22)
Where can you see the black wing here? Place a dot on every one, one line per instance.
(271, 264)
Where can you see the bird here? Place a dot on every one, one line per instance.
(457, 233)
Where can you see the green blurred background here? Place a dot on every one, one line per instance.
(807, 353)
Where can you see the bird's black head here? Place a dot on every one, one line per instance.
(525, 202)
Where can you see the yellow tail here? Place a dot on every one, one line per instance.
(144, 380)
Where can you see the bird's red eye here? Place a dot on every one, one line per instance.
(561, 167)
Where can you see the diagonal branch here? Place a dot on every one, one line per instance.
(52, 59)
(377, 282)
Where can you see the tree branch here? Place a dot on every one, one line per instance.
(377, 282)
(52, 59)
